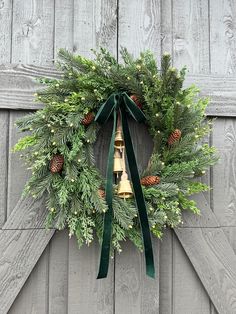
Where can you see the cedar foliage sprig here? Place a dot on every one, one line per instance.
(72, 196)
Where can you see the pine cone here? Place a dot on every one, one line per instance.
(56, 163)
(101, 193)
(150, 180)
(135, 99)
(88, 118)
(174, 136)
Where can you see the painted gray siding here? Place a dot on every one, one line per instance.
(191, 267)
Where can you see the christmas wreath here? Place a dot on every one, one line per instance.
(59, 149)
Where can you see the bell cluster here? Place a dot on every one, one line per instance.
(124, 186)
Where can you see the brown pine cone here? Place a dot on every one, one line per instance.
(88, 118)
(174, 136)
(56, 163)
(135, 99)
(101, 193)
(150, 180)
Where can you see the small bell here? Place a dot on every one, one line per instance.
(124, 187)
(117, 162)
(119, 140)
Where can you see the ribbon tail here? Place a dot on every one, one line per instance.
(107, 225)
(140, 202)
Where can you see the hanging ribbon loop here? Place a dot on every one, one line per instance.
(121, 102)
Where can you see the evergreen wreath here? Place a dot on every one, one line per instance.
(59, 147)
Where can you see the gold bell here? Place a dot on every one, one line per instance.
(117, 162)
(124, 187)
(119, 141)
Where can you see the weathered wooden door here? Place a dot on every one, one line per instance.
(44, 273)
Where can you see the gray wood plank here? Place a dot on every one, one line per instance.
(27, 214)
(86, 294)
(215, 263)
(33, 297)
(222, 46)
(191, 48)
(32, 42)
(20, 250)
(139, 25)
(135, 292)
(33, 31)
(190, 35)
(17, 171)
(166, 272)
(4, 142)
(64, 25)
(58, 273)
(206, 218)
(220, 90)
(5, 31)
(166, 26)
(224, 190)
(230, 233)
(166, 244)
(95, 24)
(222, 36)
(189, 295)
(18, 86)
(139, 29)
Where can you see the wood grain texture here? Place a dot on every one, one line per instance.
(17, 171)
(222, 20)
(32, 42)
(95, 24)
(139, 26)
(166, 244)
(64, 25)
(222, 36)
(18, 86)
(190, 47)
(20, 250)
(33, 297)
(189, 295)
(5, 30)
(206, 218)
(33, 31)
(134, 291)
(224, 190)
(166, 26)
(86, 294)
(4, 127)
(58, 273)
(166, 272)
(27, 214)
(215, 263)
(220, 90)
(190, 35)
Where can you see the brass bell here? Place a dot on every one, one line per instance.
(119, 141)
(117, 162)
(124, 187)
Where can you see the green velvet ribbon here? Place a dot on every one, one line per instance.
(122, 103)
